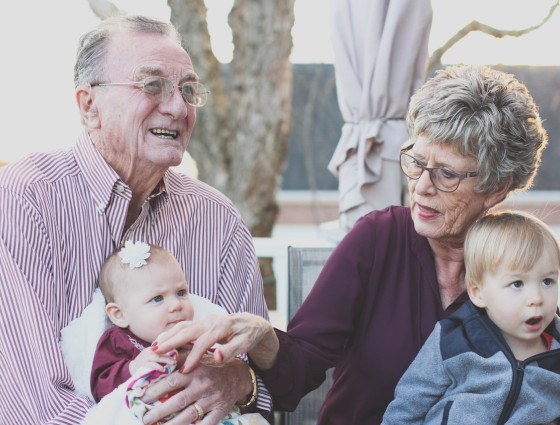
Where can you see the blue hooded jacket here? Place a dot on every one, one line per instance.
(466, 374)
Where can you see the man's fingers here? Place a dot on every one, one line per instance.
(165, 386)
(180, 402)
(213, 417)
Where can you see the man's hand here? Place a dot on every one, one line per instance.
(216, 388)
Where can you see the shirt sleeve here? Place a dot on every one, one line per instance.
(36, 387)
(421, 387)
(110, 364)
(241, 270)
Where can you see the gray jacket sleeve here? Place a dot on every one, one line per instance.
(421, 386)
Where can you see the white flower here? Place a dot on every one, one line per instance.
(134, 254)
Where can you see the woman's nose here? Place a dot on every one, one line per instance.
(424, 183)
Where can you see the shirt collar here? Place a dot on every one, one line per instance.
(98, 174)
(101, 178)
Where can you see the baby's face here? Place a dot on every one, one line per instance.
(155, 298)
(522, 304)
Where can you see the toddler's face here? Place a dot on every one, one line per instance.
(156, 298)
(522, 304)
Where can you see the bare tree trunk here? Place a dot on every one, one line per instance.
(240, 139)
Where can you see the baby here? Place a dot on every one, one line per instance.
(144, 298)
(146, 294)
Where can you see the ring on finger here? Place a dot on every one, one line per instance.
(199, 411)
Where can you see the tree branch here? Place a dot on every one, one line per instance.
(435, 59)
(104, 9)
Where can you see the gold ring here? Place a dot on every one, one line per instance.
(199, 411)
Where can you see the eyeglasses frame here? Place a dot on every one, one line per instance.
(431, 169)
(143, 83)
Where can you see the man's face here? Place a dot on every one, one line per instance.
(138, 132)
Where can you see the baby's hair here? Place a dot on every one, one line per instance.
(513, 239)
(113, 268)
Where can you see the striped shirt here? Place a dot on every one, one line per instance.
(61, 215)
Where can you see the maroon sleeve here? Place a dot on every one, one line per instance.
(323, 326)
(111, 362)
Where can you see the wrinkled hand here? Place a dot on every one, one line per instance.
(214, 387)
(237, 333)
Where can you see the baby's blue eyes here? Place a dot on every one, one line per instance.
(180, 293)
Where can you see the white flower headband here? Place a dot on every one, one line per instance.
(134, 254)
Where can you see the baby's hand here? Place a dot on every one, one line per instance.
(153, 361)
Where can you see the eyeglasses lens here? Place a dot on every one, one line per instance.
(194, 94)
(440, 178)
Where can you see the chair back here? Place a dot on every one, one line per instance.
(304, 266)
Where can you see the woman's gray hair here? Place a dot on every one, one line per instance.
(486, 114)
(92, 47)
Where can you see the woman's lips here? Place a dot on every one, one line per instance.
(426, 212)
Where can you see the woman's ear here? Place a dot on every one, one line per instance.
(497, 197)
(86, 105)
(116, 315)
(475, 294)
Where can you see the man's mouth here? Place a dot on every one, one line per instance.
(164, 134)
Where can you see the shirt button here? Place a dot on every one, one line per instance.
(101, 207)
(120, 188)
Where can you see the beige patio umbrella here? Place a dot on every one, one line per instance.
(380, 53)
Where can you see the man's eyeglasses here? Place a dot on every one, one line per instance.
(194, 93)
(442, 178)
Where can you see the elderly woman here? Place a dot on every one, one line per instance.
(475, 137)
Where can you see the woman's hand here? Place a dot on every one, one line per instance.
(236, 333)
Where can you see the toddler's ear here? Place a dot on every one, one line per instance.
(116, 315)
(475, 294)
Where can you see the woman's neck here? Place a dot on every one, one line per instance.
(450, 270)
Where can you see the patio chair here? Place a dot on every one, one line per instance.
(304, 265)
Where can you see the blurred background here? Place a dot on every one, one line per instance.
(273, 167)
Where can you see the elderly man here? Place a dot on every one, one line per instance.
(64, 212)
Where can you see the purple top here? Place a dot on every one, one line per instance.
(115, 350)
(374, 304)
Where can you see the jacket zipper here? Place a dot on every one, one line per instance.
(518, 370)
(517, 380)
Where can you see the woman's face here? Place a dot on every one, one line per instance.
(445, 216)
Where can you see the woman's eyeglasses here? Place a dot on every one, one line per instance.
(442, 178)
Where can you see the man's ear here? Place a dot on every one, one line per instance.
(116, 315)
(86, 105)
(475, 294)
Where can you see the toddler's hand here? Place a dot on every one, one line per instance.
(153, 361)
